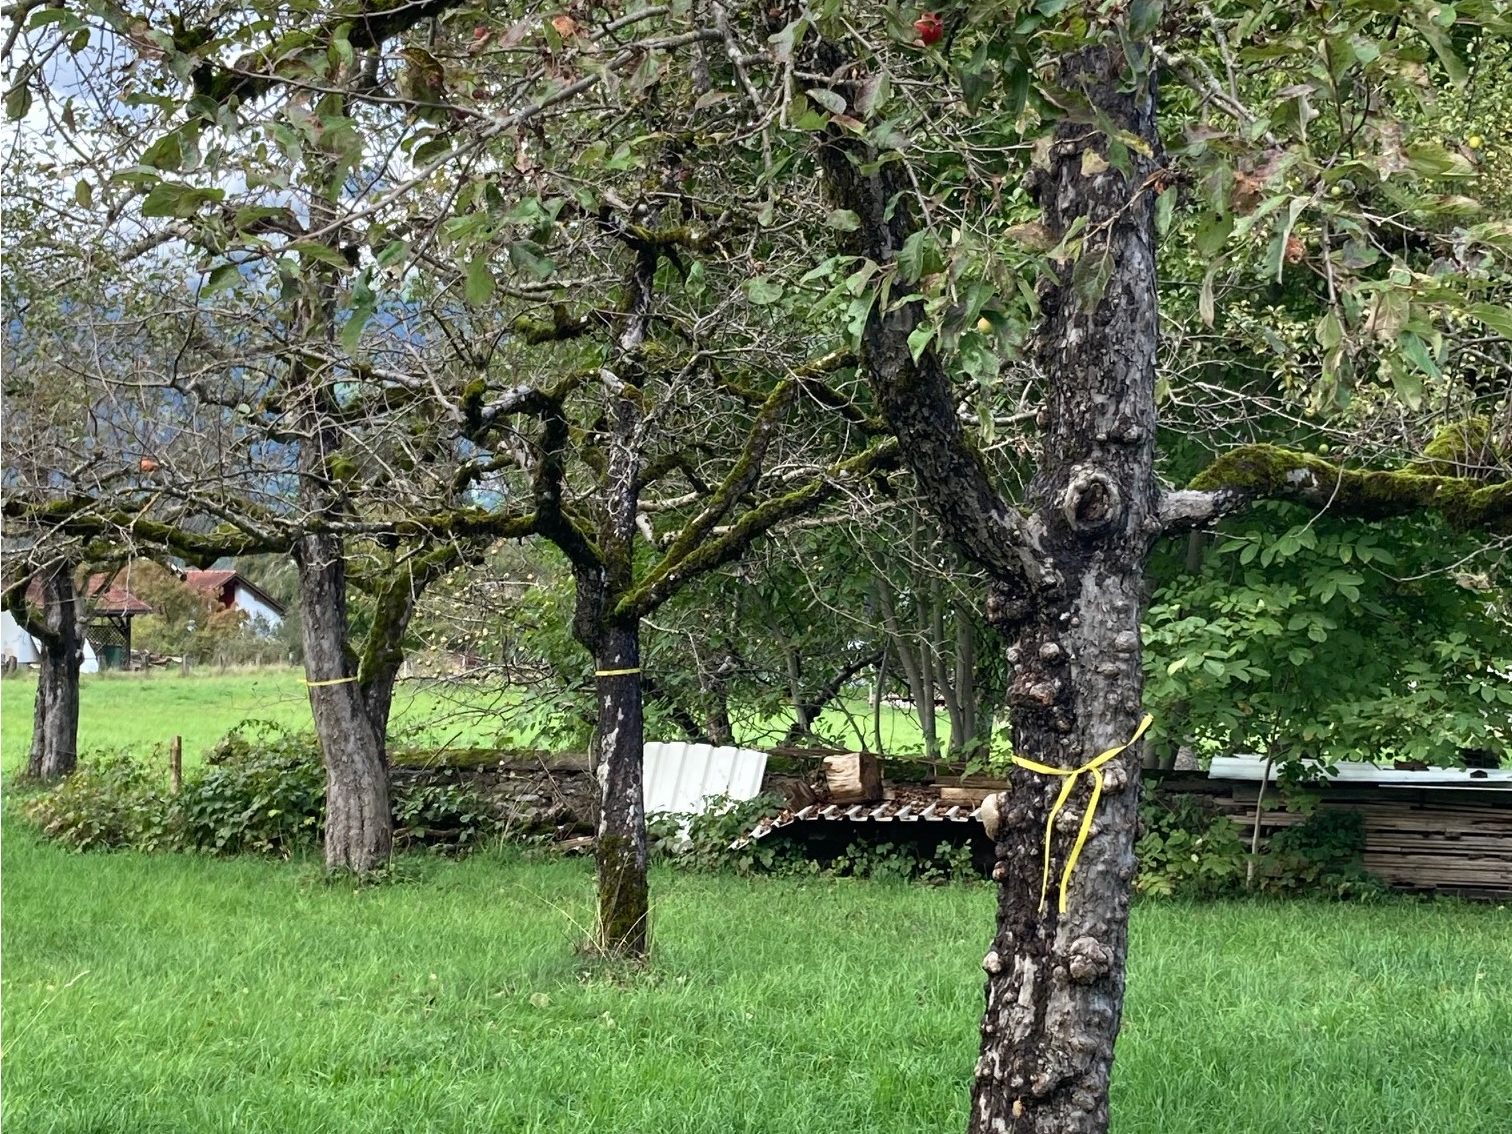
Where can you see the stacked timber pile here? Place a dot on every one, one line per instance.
(1452, 833)
(850, 788)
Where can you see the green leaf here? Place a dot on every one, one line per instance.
(527, 256)
(172, 199)
(919, 257)
(763, 291)
(1498, 319)
(84, 194)
(317, 252)
(843, 220)
(18, 100)
(1417, 353)
(221, 278)
(167, 153)
(1435, 161)
(1329, 332)
(478, 288)
(351, 331)
(919, 339)
(1089, 279)
(1165, 209)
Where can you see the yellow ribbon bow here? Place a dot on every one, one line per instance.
(1071, 775)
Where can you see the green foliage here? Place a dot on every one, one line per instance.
(706, 841)
(261, 790)
(446, 816)
(110, 801)
(1322, 854)
(1187, 849)
(1307, 637)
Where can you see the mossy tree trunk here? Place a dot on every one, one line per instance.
(619, 745)
(359, 831)
(57, 629)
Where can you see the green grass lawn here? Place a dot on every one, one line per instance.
(170, 993)
(139, 711)
(189, 994)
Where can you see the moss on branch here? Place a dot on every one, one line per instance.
(1371, 494)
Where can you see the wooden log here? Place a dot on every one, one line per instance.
(853, 777)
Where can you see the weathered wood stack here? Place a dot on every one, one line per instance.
(1415, 838)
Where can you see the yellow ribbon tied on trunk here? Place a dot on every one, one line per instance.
(1071, 775)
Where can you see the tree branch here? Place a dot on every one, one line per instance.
(1253, 472)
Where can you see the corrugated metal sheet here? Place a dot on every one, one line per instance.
(892, 810)
(681, 778)
(1354, 772)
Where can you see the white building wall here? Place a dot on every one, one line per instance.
(260, 616)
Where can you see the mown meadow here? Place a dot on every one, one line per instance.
(177, 993)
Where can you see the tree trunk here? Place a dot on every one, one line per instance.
(54, 751)
(359, 832)
(623, 897)
(1055, 981)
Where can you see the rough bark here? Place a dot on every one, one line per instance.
(54, 751)
(1055, 981)
(1066, 590)
(623, 897)
(359, 830)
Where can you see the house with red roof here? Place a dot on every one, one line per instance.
(227, 589)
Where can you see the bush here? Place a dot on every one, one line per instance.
(109, 801)
(1187, 848)
(261, 791)
(1322, 854)
(1190, 849)
(451, 817)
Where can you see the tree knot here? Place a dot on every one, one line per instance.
(1088, 959)
(1091, 502)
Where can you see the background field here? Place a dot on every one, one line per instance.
(139, 711)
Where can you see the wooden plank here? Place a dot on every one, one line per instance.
(971, 795)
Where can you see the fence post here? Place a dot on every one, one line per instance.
(176, 764)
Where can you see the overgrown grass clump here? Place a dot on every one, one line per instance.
(179, 994)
